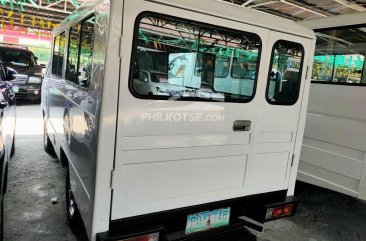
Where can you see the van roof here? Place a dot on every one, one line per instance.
(215, 8)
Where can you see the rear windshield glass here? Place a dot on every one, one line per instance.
(189, 60)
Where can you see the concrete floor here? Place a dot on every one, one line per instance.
(35, 178)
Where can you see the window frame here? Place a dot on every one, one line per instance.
(53, 55)
(184, 20)
(270, 70)
(79, 47)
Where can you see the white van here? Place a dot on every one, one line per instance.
(333, 154)
(186, 165)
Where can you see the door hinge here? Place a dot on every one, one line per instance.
(307, 72)
(292, 161)
(120, 46)
(112, 178)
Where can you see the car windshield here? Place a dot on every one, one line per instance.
(17, 58)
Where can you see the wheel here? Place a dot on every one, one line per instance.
(72, 211)
(46, 140)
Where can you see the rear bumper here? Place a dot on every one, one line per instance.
(172, 223)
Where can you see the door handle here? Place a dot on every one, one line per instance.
(242, 125)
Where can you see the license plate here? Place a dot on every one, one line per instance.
(15, 89)
(207, 220)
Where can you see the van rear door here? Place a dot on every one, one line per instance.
(184, 147)
(279, 131)
(172, 153)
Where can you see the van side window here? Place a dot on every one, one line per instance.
(339, 57)
(80, 53)
(73, 54)
(189, 60)
(284, 79)
(339, 69)
(58, 55)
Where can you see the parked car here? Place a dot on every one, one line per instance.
(22, 60)
(155, 83)
(7, 130)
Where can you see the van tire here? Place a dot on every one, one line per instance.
(72, 211)
(46, 140)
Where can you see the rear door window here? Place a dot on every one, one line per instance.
(284, 79)
(192, 61)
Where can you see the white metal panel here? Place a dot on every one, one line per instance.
(276, 137)
(339, 131)
(334, 162)
(169, 154)
(328, 179)
(335, 136)
(180, 178)
(269, 168)
(181, 141)
(335, 101)
(107, 121)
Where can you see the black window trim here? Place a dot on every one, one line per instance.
(175, 18)
(300, 71)
(79, 49)
(53, 54)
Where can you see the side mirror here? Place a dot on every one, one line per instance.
(11, 74)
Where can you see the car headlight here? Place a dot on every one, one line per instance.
(34, 80)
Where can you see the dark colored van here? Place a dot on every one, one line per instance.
(28, 84)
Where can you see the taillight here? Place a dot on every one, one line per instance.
(149, 237)
(280, 212)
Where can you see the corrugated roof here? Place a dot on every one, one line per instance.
(303, 9)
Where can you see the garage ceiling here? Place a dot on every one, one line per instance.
(303, 9)
(56, 10)
(48, 10)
